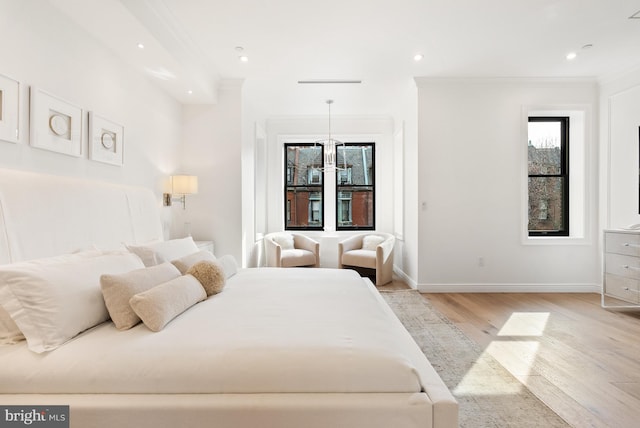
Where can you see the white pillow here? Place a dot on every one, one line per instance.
(159, 305)
(9, 331)
(164, 251)
(183, 264)
(52, 300)
(229, 265)
(370, 242)
(118, 289)
(285, 240)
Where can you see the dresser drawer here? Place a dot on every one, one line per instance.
(626, 266)
(621, 288)
(622, 243)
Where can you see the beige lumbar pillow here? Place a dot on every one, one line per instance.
(159, 305)
(117, 290)
(210, 274)
(183, 264)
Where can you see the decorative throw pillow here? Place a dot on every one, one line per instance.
(285, 240)
(210, 274)
(159, 305)
(52, 300)
(118, 290)
(183, 264)
(370, 242)
(164, 251)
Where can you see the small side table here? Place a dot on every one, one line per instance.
(205, 246)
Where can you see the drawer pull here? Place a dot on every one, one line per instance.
(628, 289)
(631, 267)
(628, 244)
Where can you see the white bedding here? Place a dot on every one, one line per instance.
(270, 331)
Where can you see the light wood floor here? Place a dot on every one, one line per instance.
(581, 360)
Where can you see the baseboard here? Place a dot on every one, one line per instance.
(509, 288)
(404, 277)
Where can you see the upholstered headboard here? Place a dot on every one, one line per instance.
(44, 215)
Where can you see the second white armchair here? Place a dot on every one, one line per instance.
(372, 251)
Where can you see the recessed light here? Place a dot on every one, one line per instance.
(243, 58)
(418, 57)
(189, 92)
(571, 55)
(140, 46)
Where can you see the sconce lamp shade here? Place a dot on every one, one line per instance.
(184, 184)
(181, 185)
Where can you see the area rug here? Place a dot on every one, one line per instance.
(488, 395)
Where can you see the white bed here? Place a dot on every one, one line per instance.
(276, 348)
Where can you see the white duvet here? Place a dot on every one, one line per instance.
(270, 331)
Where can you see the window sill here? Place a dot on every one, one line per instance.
(555, 240)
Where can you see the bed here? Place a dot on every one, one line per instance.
(276, 348)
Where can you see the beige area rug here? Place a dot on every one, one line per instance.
(488, 395)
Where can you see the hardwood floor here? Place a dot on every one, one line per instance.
(581, 360)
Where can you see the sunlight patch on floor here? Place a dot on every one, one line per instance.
(487, 377)
(511, 355)
(525, 324)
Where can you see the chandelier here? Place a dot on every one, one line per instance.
(330, 148)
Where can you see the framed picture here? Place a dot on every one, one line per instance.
(56, 124)
(9, 109)
(106, 140)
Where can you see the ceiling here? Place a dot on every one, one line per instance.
(193, 45)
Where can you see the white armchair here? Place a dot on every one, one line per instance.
(372, 251)
(290, 250)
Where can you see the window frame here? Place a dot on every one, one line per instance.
(289, 172)
(339, 189)
(564, 175)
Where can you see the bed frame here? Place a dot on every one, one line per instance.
(42, 216)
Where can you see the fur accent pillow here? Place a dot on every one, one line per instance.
(210, 274)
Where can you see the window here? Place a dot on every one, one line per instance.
(304, 189)
(548, 176)
(354, 206)
(355, 185)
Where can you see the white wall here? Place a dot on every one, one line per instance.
(406, 258)
(41, 47)
(471, 169)
(620, 112)
(212, 150)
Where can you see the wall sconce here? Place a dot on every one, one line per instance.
(181, 185)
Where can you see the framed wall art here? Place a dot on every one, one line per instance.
(56, 124)
(106, 140)
(9, 109)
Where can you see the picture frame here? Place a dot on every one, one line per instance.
(106, 140)
(9, 109)
(56, 124)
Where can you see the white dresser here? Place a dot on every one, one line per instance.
(621, 268)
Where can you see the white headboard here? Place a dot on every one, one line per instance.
(44, 215)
